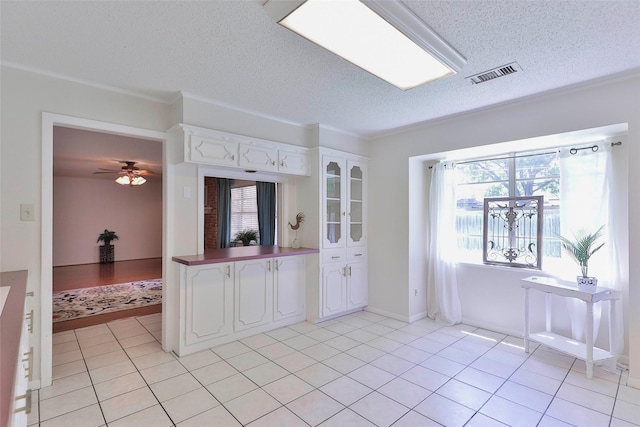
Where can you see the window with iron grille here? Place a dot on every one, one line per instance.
(512, 176)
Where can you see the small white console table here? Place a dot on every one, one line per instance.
(584, 351)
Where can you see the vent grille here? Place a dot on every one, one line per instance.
(501, 71)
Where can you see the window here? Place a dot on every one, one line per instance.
(515, 175)
(244, 209)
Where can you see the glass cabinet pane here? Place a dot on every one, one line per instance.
(334, 202)
(355, 203)
(333, 232)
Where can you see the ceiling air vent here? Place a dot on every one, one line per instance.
(502, 71)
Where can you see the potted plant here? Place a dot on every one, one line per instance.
(581, 248)
(106, 250)
(246, 236)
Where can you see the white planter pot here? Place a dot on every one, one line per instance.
(588, 284)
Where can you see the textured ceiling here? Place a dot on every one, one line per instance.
(232, 53)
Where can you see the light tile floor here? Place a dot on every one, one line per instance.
(358, 370)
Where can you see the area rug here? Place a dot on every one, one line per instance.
(85, 302)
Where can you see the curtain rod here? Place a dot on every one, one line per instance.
(573, 151)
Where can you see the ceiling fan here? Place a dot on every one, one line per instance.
(130, 174)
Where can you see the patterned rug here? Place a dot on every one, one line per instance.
(77, 303)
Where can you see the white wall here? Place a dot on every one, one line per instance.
(83, 208)
(25, 96)
(492, 298)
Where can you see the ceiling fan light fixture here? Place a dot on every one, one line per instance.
(130, 180)
(382, 37)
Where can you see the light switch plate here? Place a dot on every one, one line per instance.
(27, 212)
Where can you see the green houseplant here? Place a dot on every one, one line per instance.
(107, 250)
(581, 248)
(246, 236)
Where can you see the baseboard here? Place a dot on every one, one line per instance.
(388, 314)
(495, 328)
(633, 382)
(417, 317)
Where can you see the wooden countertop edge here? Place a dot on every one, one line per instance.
(10, 333)
(242, 253)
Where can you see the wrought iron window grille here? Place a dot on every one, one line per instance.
(512, 231)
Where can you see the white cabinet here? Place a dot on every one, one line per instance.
(253, 293)
(343, 203)
(294, 161)
(344, 288)
(227, 301)
(289, 288)
(219, 150)
(209, 302)
(343, 282)
(216, 148)
(357, 285)
(259, 157)
(333, 288)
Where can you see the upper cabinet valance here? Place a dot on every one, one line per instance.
(212, 147)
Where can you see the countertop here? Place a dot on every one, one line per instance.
(241, 253)
(10, 334)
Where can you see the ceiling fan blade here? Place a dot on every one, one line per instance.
(147, 172)
(106, 172)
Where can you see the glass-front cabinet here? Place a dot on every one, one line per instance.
(355, 195)
(343, 203)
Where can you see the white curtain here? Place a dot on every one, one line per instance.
(443, 303)
(585, 189)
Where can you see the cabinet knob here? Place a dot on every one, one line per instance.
(273, 163)
(282, 163)
(229, 271)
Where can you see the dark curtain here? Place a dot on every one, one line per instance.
(224, 211)
(266, 198)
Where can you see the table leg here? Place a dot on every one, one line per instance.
(589, 340)
(526, 320)
(547, 306)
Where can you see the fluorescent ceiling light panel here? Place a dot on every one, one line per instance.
(383, 37)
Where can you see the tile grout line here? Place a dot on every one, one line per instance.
(303, 332)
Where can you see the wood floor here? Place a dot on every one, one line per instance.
(89, 275)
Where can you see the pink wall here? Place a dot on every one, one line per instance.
(83, 208)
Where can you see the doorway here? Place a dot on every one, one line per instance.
(88, 167)
(49, 122)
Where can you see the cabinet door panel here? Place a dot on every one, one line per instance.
(357, 285)
(289, 287)
(258, 157)
(209, 296)
(253, 293)
(333, 202)
(293, 162)
(356, 206)
(333, 290)
(214, 151)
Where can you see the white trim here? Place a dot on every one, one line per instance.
(633, 382)
(239, 109)
(494, 328)
(419, 316)
(388, 314)
(49, 120)
(83, 82)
